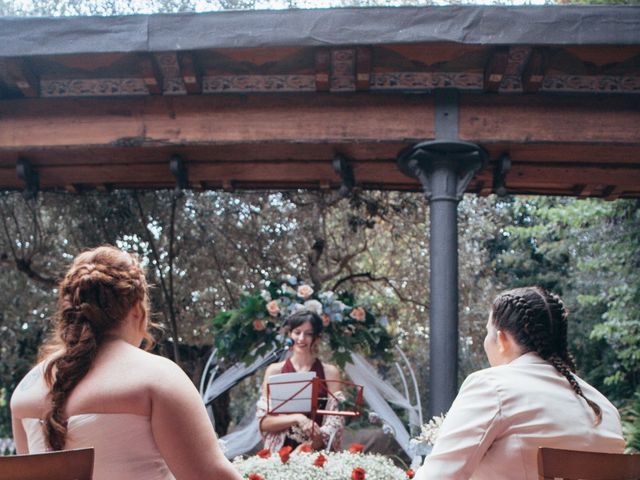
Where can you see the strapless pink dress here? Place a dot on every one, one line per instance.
(124, 445)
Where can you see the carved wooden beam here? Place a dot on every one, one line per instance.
(323, 69)
(151, 75)
(516, 63)
(23, 77)
(343, 70)
(363, 68)
(173, 83)
(612, 192)
(190, 73)
(534, 71)
(585, 191)
(495, 69)
(233, 119)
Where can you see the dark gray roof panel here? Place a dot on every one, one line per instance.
(532, 25)
(71, 35)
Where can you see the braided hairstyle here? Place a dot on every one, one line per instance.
(99, 290)
(537, 320)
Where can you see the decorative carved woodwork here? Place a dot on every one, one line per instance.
(343, 70)
(495, 70)
(322, 69)
(259, 83)
(173, 83)
(425, 81)
(151, 75)
(516, 63)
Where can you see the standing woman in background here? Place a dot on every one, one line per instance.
(95, 387)
(529, 398)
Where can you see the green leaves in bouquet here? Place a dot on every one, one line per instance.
(252, 329)
(245, 333)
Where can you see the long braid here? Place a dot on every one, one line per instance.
(562, 359)
(97, 293)
(538, 322)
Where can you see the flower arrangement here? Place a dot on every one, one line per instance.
(422, 444)
(253, 329)
(310, 465)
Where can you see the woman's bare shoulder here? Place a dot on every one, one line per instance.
(330, 370)
(274, 368)
(151, 367)
(28, 399)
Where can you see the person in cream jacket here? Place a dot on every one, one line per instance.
(528, 398)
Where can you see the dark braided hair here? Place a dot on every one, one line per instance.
(95, 296)
(537, 320)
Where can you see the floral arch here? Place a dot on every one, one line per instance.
(253, 329)
(248, 338)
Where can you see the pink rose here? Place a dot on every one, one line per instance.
(326, 320)
(305, 291)
(273, 308)
(358, 314)
(259, 325)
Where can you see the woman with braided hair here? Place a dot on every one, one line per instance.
(95, 387)
(530, 397)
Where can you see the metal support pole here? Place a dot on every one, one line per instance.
(443, 282)
(444, 168)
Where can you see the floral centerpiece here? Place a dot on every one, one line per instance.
(351, 464)
(422, 444)
(253, 329)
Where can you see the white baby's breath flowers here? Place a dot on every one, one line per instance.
(338, 466)
(429, 431)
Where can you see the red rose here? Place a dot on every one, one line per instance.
(284, 453)
(305, 448)
(259, 325)
(410, 473)
(358, 474)
(264, 453)
(255, 476)
(356, 448)
(320, 461)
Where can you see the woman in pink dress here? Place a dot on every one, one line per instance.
(293, 429)
(95, 386)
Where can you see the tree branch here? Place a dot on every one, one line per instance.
(163, 283)
(385, 280)
(24, 266)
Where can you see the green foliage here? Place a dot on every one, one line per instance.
(631, 424)
(588, 252)
(253, 329)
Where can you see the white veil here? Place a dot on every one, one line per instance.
(378, 393)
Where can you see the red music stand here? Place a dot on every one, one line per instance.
(315, 384)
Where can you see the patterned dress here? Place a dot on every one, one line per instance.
(331, 426)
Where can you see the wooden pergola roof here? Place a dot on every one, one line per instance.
(269, 99)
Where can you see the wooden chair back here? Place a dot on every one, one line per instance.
(556, 464)
(62, 465)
